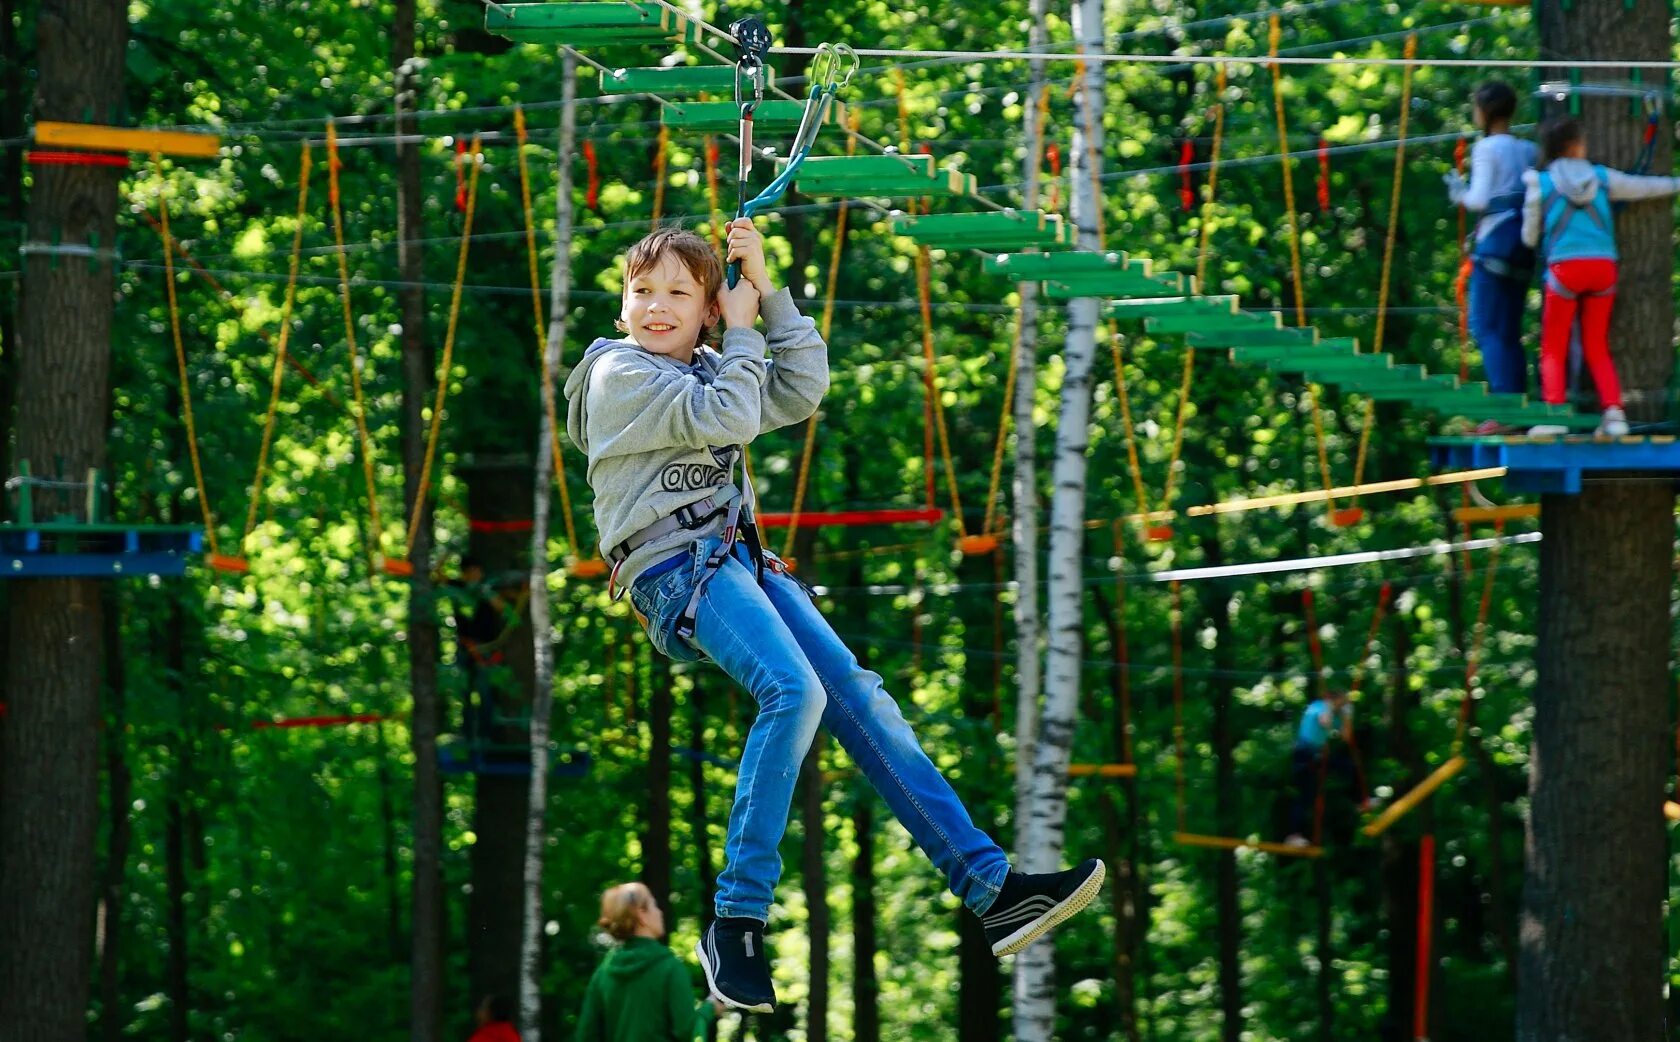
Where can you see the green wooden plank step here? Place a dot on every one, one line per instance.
(725, 116)
(865, 168)
(587, 24)
(947, 183)
(996, 230)
(675, 81)
(1032, 267)
(1134, 279)
(1211, 323)
(1136, 310)
(1258, 337)
(575, 14)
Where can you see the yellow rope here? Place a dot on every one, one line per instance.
(360, 410)
(1126, 419)
(1388, 244)
(542, 332)
(1212, 185)
(416, 511)
(181, 358)
(278, 378)
(659, 160)
(1295, 245)
(716, 222)
(924, 289)
(829, 292)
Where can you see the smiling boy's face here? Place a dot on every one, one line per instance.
(666, 309)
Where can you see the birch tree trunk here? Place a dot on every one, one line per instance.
(1028, 631)
(1035, 1011)
(542, 642)
(1591, 936)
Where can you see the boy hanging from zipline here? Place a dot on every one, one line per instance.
(1567, 216)
(663, 418)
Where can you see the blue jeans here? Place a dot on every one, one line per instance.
(772, 640)
(1496, 314)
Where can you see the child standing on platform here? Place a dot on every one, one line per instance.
(663, 418)
(1502, 265)
(1567, 217)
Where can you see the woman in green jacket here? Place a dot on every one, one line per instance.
(641, 992)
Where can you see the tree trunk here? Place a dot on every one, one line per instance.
(177, 983)
(500, 491)
(1041, 851)
(49, 745)
(1227, 819)
(1122, 825)
(542, 644)
(980, 989)
(866, 986)
(656, 840)
(1399, 854)
(1591, 934)
(426, 980)
(813, 875)
(121, 781)
(13, 99)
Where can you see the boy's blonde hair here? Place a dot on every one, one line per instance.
(689, 250)
(622, 907)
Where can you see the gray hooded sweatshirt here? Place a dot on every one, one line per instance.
(1578, 181)
(661, 435)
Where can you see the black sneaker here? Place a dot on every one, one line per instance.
(737, 966)
(1030, 906)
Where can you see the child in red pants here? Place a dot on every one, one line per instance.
(1567, 217)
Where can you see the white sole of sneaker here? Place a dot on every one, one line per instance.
(1056, 916)
(712, 988)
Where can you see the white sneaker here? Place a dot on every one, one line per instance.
(1614, 422)
(1295, 839)
(1547, 430)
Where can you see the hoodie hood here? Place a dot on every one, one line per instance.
(1577, 179)
(635, 958)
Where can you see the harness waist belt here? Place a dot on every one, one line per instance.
(685, 518)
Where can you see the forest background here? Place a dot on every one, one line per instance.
(254, 882)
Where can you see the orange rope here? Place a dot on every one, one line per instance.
(1132, 463)
(1122, 653)
(333, 164)
(277, 380)
(541, 329)
(1388, 246)
(1212, 185)
(181, 360)
(1472, 662)
(829, 292)
(415, 509)
(659, 161)
(717, 221)
(1295, 248)
(1312, 639)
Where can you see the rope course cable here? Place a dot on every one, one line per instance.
(276, 380)
(181, 363)
(1388, 251)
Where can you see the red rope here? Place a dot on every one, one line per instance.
(1053, 152)
(852, 518)
(1425, 936)
(50, 158)
(1186, 182)
(1323, 173)
(460, 175)
(592, 197)
(499, 526)
(318, 721)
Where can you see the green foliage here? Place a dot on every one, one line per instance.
(297, 920)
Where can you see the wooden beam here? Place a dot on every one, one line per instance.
(1488, 515)
(1420, 792)
(127, 139)
(1102, 770)
(1191, 839)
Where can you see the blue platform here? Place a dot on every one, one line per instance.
(507, 761)
(100, 551)
(1557, 463)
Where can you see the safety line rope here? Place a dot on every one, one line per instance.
(375, 535)
(416, 509)
(1295, 250)
(1388, 250)
(181, 359)
(277, 379)
(540, 327)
